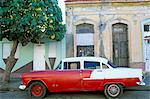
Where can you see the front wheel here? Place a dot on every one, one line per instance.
(113, 90)
(37, 89)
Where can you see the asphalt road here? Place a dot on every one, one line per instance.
(81, 95)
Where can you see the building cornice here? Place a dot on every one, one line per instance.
(108, 2)
(87, 1)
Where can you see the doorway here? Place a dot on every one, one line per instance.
(147, 54)
(39, 59)
(120, 44)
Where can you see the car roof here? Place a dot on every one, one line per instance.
(100, 59)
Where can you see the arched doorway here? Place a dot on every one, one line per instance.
(120, 44)
(146, 43)
(85, 39)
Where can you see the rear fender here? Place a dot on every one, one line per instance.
(119, 83)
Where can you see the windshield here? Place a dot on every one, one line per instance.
(112, 65)
(58, 66)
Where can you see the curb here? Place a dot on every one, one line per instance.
(138, 88)
(147, 73)
(9, 89)
(13, 85)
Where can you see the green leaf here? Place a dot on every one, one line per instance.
(30, 16)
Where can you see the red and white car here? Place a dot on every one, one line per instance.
(82, 74)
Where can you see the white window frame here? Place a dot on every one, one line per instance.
(6, 49)
(52, 50)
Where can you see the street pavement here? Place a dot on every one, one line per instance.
(81, 95)
(12, 92)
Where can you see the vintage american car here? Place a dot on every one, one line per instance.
(82, 74)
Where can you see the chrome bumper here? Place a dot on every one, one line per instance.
(22, 87)
(141, 83)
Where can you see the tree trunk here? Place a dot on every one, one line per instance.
(10, 62)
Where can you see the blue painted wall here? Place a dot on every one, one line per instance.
(26, 53)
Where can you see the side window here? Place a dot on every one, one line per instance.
(104, 66)
(58, 67)
(71, 65)
(91, 65)
(65, 65)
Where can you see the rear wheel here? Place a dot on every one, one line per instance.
(37, 89)
(113, 90)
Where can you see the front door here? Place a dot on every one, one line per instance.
(120, 44)
(68, 80)
(39, 60)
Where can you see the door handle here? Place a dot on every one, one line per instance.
(99, 70)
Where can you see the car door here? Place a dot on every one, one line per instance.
(69, 79)
(92, 76)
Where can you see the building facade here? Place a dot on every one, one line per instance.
(33, 56)
(114, 29)
(146, 42)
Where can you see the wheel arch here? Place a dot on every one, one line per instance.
(30, 82)
(108, 93)
(119, 83)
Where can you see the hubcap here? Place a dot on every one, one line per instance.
(113, 90)
(36, 90)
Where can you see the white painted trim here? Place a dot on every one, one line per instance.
(52, 49)
(39, 57)
(92, 79)
(117, 73)
(7, 49)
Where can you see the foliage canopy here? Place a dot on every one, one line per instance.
(31, 20)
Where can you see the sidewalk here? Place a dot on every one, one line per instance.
(16, 81)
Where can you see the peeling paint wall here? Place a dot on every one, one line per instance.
(128, 13)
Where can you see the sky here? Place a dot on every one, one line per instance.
(62, 6)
